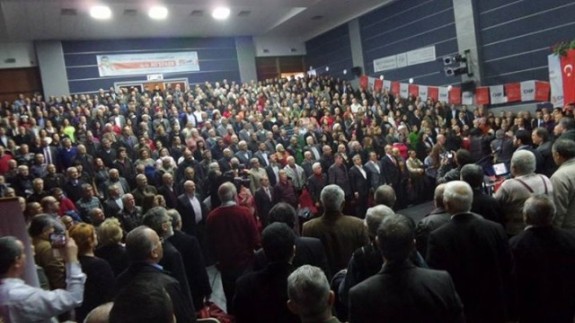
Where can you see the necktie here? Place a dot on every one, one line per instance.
(268, 193)
(47, 155)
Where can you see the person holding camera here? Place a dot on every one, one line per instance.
(23, 303)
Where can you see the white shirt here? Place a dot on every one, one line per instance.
(23, 303)
(362, 171)
(197, 208)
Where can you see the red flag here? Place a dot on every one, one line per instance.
(513, 92)
(568, 73)
(482, 95)
(414, 90)
(378, 85)
(433, 92)
(363, 81)
(395, 88)
(455, 95)
(542, 90)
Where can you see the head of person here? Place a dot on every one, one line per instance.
(457, 197)
(110, 232)
(332, 198)
(438, 196)
(100, 314)
(176, 219)
(96, 216)
(157, 219)
(143, 245)
(84, 235)
(385, 195)
(128, 200)
(309, 294)
(12, 257)
(190, 187)
(283, 213)
(540, 135)
(563, 150)
(522, 137)
(374, 216)
(463, 157)
(142, 302)
(87, 191)
(278, 242)
(539, 210)
(141, 180)
(522, 163)
(316, 167)
(41, 226)
(227, 192)
(396, 238)
(472, 174)
(565, 124)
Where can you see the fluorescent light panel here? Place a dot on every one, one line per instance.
(221, 13)
(158, 12)
(100, 12)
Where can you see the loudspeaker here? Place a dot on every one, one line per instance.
(468, 86)
(356, 71)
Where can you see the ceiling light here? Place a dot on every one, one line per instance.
(158, 12)
(100, 12)
(221, 13)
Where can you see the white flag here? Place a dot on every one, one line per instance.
(387, 85)
(423, 92)
(528, 91)
(403, 90)
(443, 94)
(370, 83)
(556, 80)
(467, 98)
(496, 94)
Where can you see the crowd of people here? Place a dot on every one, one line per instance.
(291, 188)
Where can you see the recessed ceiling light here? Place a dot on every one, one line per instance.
(221, 13)
(158, 12)
(100, 12)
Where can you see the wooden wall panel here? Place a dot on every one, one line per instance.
(19, 80)
(271, 67)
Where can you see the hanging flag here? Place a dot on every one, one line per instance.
(542, 91)
(467, 98)
(443, 94)
(363, 82)
(482, 95)
(423, 92)
(395, 88)
(403, 90)
(378, 85)
(370, 82)
(556, 80)
(433, 92)
(496, 94)
(455, 95)
(568, 74)
(527, 91)
(413, 90)
(387, 85)
(513, 92)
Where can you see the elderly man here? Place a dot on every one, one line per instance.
(142, 189)
(513, 192)
(428, 294)
(87, 202)
(564, 184)
(23, 303)
(544, 264)
(193, 211)
(340, 234)
(232, 238)
(295, 173)
(131, 215)
(41, 228)
(476, 254)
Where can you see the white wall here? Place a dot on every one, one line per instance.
(279, 46)
(22, 52)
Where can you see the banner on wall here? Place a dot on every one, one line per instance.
(482, 95)
(513, 91)
(562, 78)
(151, 63)
(412, 57)
(496, 94)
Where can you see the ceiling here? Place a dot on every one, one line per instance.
(25, 20)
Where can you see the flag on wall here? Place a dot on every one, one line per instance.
(423, 90)
(466, 97)
(513, 92)
(455, 95)
(482, 95)
(387, 85)
(527, 91)
(413, 90)
(542, 91)
(363, 82)
(395, 88)
(556, 80)
(433, 92)
(443, 94)
(496, 94)
(370, 82)
(378, 85)
(403, 90)
(568, 76)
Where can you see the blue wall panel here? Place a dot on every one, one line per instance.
(515, 37)
(331, 49)
(217, 58)
(407, 25)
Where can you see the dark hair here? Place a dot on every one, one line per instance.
(142, 302)
(282, 213)
(395, 237)
(567, 123)
(565, 148)
(9, 251)
(524, 136)
(463, 157)
(138, 244)
(385, 195)
(39, 223)
(155, 218)
(542, 133)
(278, 241)
(472, 174)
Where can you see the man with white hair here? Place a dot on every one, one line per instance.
(515, 191)
(476, 254)
(340, 234)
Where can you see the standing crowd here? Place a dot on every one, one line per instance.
(290, 187)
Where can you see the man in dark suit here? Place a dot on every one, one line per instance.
(193, 211)
(540, 137)
(483, 204)
(168, 191)
(544, 263)
(264, 198)
(390, 169)
(315, 183)
(189, 248)
(401, 292)
(261, 296)
(476, 254)
(360, 182)
(145, 250)
(338, 174)
(113, 205)
(243, 154)
(373, 167)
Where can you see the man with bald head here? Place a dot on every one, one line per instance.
(476, 254)
(193, 211)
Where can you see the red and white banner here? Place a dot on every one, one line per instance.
(527, 91)
(403, 90)
(423, 90)
(387, 85)
(482, 95)
(378, 85)
(151, 63)
(542, 91)
(414, 90)
(395, 87)
(363, 82)
(562, 78)
(513, 92)
(443, 94)
(371, 82)
(455, 95)
(466, 97)
(496, 94)
(433, 92)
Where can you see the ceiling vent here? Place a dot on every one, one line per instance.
(130, 12)
(244, 13)
(68, 12)
(197, 13)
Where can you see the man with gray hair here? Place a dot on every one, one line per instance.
(310, 296)
(544, 263)
(564, 183)
(429, 295)
(435, 219)
(514, 191)
(476, 253)
(340, 234)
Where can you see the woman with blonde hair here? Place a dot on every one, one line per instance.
(100, 281)
(110, 248)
